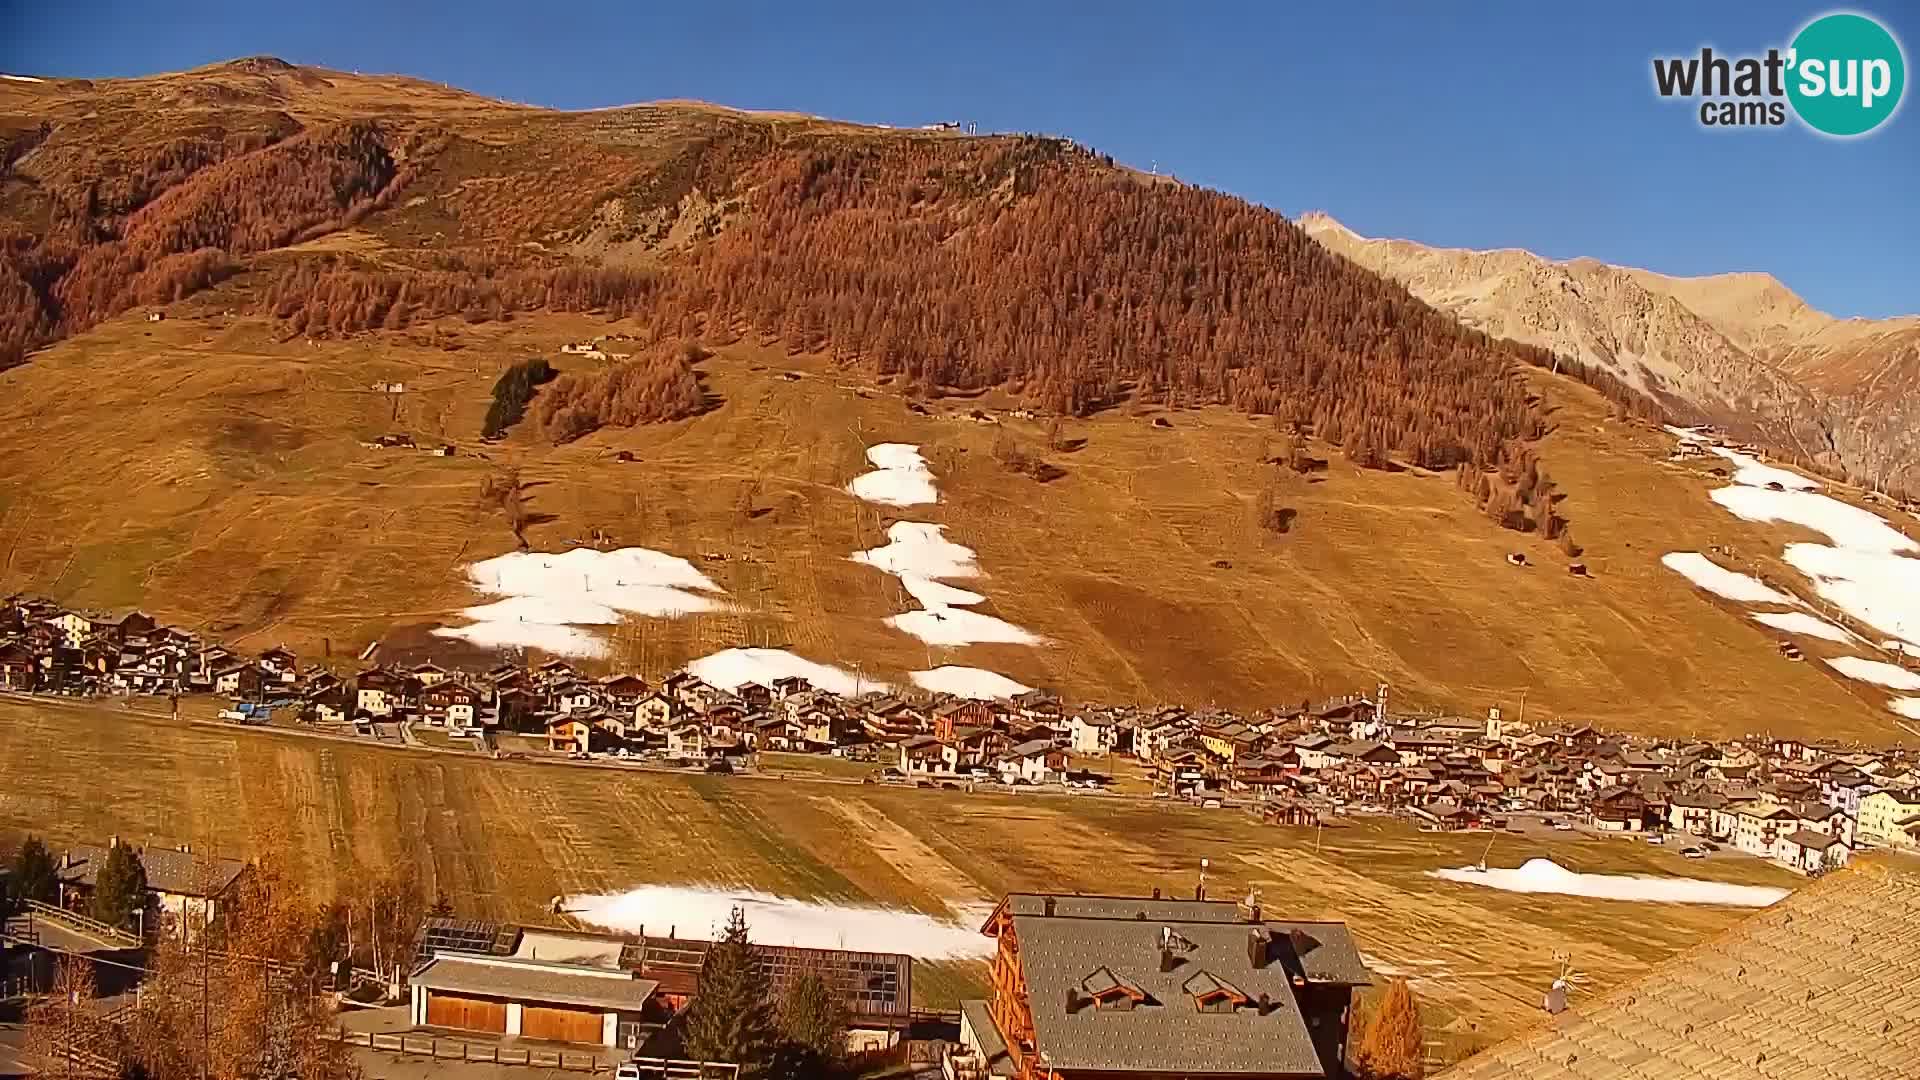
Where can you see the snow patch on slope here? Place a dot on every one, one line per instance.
(780, 920)
(1547, 876)
(1720, 581)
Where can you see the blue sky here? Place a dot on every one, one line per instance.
(1490, 125)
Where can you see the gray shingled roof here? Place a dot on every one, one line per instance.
(169, 870)
(1327, 952)
(1168, 1033)
(1824, 985)
(992, 1047)
(527, 982)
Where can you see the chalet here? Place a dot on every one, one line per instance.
(1620, 809)
(1365, 751)
(1313, 751)
(788, 685)
(451, 703)
(569, 733)
(1882, 814)
(1754, 827)
(753, 696)
(623, 691)
(241, 679)
(921, 755)
(280, 665)
(571, 696)
(187, 888)
(955, 715)
(1810, 852)
(656, 710)
(1093, 733)
(1108, 987)
(1036, 761)
(429, 674)
(19, 668)
(1693, 813)
(581, 987)
(381, 693)
(687, 739)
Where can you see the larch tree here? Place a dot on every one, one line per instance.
(1390, 1044)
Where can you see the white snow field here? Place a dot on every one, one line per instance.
(1799, 622)
(1908, 707)
(1547, 876)
(1846, 525)
(1755, 473)
(731, 668)
(547, 597)
(1722, 582)
(967, 682)
(900, 477)
(952, 627)
(920, 549)
(22, 78)
(1876, 672)
(917, 553)
(1684, 434)
(779, 920)
(1878, 588)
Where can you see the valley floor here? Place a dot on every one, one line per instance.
(503, 838)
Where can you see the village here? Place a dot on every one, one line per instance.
(1806, 805)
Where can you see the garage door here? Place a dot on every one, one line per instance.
(467, 1014)
(562, 1025)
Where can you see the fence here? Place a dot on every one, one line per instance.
(573, 1061)
(73, 920)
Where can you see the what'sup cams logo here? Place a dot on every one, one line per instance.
(1843, 75)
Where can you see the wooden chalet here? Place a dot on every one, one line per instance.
(1098, 987)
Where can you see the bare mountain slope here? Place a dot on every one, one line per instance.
(1740, 349)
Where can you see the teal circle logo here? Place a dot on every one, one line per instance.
(1846, 74)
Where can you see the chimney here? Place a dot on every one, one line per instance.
(1257, 948)
(1073, 1000)
(1266, 1004)
(1049, 906)
(1200, 891)
(113, 841)
(1167, 960)
(1156, 892)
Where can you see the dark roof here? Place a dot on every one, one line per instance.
(1167, 1032)
(979, 1017)
(1326, 950)
(1820, 986)
(1812, 838)
(525, 981)
(169, 870)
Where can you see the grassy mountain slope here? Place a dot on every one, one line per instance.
(211, 468)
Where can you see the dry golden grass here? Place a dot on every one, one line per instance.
(216, 477)
(502, 838)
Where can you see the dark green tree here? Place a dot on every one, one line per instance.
(33, 875)
(120, 889)
(813, 1030)
(731, 1019)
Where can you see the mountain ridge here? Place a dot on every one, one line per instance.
(1739, 349)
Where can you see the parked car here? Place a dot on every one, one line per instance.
(1563, 826)
(1694, 852)
(1656, 838)
(626, 1070)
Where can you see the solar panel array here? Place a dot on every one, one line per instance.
(464, 936)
